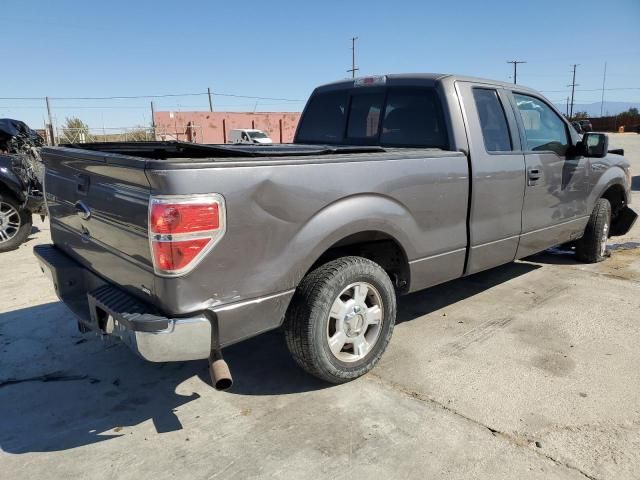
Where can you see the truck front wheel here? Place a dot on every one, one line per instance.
(592, 247)
(15, 224)
(341, 319)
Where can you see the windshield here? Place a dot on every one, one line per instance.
(402, 117)
(257, 134)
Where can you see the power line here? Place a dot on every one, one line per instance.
(231, 95)
(134, 107)
(591, 89)
(118, 97)
(22, 98)
(515, 68)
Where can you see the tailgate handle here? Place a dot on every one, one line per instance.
(82, 183)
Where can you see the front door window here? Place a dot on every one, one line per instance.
(544, 129)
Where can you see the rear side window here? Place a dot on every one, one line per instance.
(395, 117)
(493, 120)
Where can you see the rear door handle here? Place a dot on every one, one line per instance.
(533, 175)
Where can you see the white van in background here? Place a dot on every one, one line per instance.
(248, 135)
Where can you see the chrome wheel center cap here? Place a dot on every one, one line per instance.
(354, 322)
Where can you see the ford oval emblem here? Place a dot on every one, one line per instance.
(83, 211)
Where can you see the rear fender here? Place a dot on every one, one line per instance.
(348, 216)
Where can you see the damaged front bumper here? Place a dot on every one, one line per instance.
(623, 222)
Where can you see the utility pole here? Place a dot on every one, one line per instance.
(353, 58)
(515, 68)
(604, 79)
(153, 120)
(573, 88)
(567, 107)
(51, 135)
(210, 100)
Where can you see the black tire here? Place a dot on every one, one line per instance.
(592, 247)
(16, 239)
(307, 323)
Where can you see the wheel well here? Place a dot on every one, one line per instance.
(377, 247)
(617, 198)
(8, 191)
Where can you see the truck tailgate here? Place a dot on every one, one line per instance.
(98, 206)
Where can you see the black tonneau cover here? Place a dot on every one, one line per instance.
(175, 149)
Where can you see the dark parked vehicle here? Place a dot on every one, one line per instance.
(21, 173)
(394, 184)
(586, 126)
(577, 126)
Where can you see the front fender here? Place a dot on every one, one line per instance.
(614, 175)
(9, 180)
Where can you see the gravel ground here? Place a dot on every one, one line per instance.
(530, 370)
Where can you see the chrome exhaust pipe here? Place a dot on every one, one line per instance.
(219, 370)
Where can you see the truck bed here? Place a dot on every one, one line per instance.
(285, 205)
(177, 155)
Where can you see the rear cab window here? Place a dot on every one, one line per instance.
(364, 116)
(387, 116)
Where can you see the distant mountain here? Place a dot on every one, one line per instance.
(593, 109)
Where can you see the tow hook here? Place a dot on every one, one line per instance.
(218, 369)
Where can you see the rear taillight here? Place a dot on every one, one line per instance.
(182, 229)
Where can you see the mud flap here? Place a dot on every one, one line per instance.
(623, 222)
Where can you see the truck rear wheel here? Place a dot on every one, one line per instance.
(15, 224)
(592, 247)
(341, 319)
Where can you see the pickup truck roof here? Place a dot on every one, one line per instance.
(427, 79)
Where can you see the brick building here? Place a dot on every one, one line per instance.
(213, 127)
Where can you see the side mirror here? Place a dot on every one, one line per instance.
(595, 144)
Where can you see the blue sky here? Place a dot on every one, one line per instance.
(283, 49)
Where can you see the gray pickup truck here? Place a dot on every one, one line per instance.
(393, 184)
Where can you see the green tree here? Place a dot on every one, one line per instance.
(580, 116)
(75, 130)
(629, 119)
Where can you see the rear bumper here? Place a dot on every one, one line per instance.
(101, 307)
